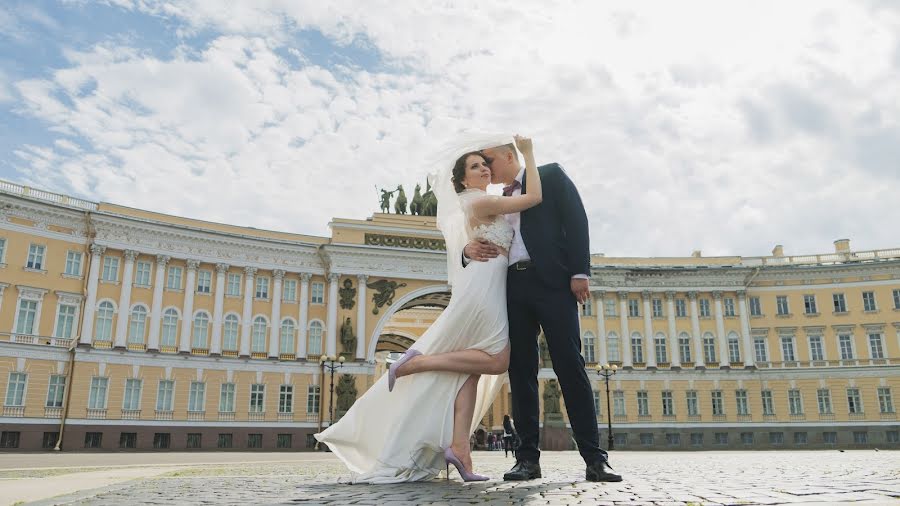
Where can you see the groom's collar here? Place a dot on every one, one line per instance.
(521, 175)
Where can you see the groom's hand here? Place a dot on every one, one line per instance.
(580, 289)
(481, 250)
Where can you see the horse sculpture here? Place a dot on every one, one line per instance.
(415, 207)
(400, 204)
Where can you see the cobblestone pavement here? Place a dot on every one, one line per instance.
(657, 478)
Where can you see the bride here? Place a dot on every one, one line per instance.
(416, 420)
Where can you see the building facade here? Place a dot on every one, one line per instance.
(122, 329)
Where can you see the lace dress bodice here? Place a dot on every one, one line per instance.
(498, 232)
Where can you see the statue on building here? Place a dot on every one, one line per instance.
(545, 351)
(346, 393)
(429, 201)
(416, 206)
(400, 204)
(348, 340)
(386, 200)
(384, 293)
(551, 397)
(347, 294)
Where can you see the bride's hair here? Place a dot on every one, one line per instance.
(459, 170)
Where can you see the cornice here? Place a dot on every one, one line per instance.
(387, 262)
(42, 214)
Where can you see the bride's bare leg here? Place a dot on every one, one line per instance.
(463, 411)
(463, 361)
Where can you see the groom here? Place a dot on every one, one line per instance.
(549, 267)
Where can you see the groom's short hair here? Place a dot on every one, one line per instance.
(512, 148)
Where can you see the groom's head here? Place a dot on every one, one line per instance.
(504, 163)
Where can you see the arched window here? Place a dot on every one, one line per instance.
(287, 337)
(662, 351)
(258, 335)
(637, 348)
(201, 331)
(734, 348)
(315, 338)
(709, 348)
(684, 347)
(103, 327)
(588, 347)
(137, 325)
(169, 335)
(612, 347)
(230, 334)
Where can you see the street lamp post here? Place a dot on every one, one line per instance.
(329, 363)
(606, 371)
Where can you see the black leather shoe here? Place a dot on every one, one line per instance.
(523, 470)
(597, 472)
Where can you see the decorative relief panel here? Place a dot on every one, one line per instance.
(397, 241)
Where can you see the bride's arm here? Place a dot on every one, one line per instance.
(492, 206)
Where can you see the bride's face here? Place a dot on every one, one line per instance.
(478, 173)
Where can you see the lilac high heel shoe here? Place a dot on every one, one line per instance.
(392, 370)
(450, 457)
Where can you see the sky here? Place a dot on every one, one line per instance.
(726, 127)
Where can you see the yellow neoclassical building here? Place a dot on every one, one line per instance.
(128, 329)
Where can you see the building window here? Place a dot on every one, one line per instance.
(230, 333)
(709, 349)
(289, 290)
(35, 257)
(646, 438)
(718, 407)
(137, 325)
(693, 407)
(668, 406)
(816, 350)
(854, 401)
(597, 402)
(26, 316)
(680, 308)
(896, 299)
(110, 269)
(673, 439)
(869, 301)
(73, 263)
(132, 400)
(776, 438)
(846, 344)
(194, 440)
(704, 308)
(128, 440)
(892, 436)
(162, 440)
(620, 439)
(684, 347)
(258, 337)
(588, 346)
(262, 288)
(65, 321)
(257, 398)
(885, 400)
(286, 340)
(637, 348)
(809, 304)
(643, 404)
(734, 349)
(313, 394)
(286, 399)
(225, 441)
(197, 397)
(721, 438)
(729, 306)
(876, 349)
(747, 438)
(612, 348)
(781, 303)
(860, 437)
(2, 250)
(795, 402)
(164, 395)
(204, 282)
(759, 346)
(254, 440)
(662, 355)
(610, 307)
(201, 331)
(634, 310)
(93, 440)
(103, 327)
(787, 349)
(768, 405)
(315, 338)
(657, 308)
(618, 403)
(823, 397)
(173, 280)
(15, 389)
(840, 303)
(755, 307)
(142, 274)
(56, 389)
(234, 285)
(226, 398)
(587, 309)
(318, 293)
(169, 335)
(49, 440)
(800, 438)
(743, 407)
(97, 394)
(696, 439)
(284, 441)
(829, 438)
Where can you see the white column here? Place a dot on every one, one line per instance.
(626, 339)
(331, 333)
(695, 329)
(250, 275)
(749, 358)
(187, 310)
(215, 347)
(90, 304)
(720, 329)
(303, 317)
(361, 317)
(674, 350)
(275, 334)
(125, 300)
(601, 328)
(156, 309)
(648, 331)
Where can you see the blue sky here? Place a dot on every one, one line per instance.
(724, 127)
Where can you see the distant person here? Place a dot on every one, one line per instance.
(509, 436)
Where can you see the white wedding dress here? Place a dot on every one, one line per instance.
(399, 436)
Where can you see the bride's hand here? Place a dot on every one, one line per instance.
(524, 144)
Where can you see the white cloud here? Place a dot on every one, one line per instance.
(698, 125)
